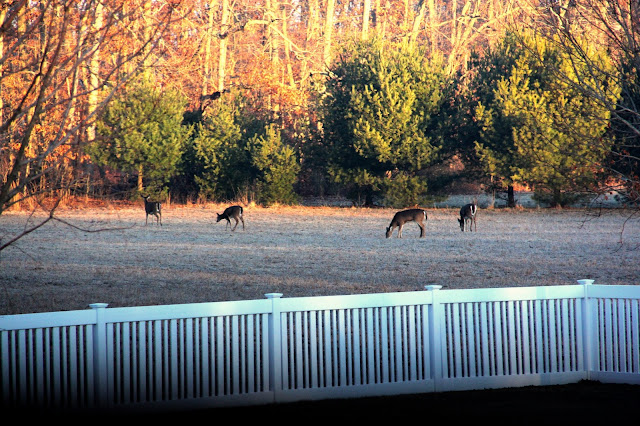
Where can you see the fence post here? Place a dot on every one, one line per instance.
(100, 355)
(588, 320)
(275, 346)
(436, 346)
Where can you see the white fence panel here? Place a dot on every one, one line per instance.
(511, 337)
(288, 349)
(189, 355)
(616, 334)
(356, 345)
(47, 360)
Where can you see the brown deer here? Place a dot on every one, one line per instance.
(233, 212)
(152, 208)
(468, 217)
(412, 215)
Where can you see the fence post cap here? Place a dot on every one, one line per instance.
(432, 287)
(273, 295)
(98, 305)
(585, 282)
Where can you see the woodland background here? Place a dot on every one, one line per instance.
(385, 102)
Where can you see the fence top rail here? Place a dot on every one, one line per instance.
(507, 294)
(576, 291)
(355, 301)
(184, 311)
(47, 320)
(503, 294)
(293, 304)
(615, 291)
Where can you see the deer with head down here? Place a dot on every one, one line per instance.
(468, 217)
(412, 215)
(233, 212)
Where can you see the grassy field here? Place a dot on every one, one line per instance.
(301, 251)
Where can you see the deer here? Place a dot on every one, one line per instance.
(412, 215)
(152, 208)
(468, 217)
(233, 212)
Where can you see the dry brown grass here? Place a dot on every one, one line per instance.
(300, 251)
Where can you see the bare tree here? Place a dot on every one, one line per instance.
(58, 70)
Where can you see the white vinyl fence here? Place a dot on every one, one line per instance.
(289, 349)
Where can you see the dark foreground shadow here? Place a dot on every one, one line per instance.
(586, 402)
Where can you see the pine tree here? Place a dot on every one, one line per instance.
(379, 118)
(537, 129)
(485, 131)
(277, 167)
(141, 132)
(221, 155)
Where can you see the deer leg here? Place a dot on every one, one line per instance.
(422, 230)
(242, 222)
(400, 231)
(234, 228)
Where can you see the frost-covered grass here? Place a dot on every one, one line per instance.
(302, 251)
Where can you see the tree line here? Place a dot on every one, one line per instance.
(270, 101)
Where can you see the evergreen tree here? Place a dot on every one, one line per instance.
(379, 119)
(220, 150)
(538, 129)
(486, 134)
(243, 158)
(276, 165)
(141, 132)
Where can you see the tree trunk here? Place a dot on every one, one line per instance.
(434, 19)
(417, 22)
(140, 185)
(287, 49)
(366, 16)
(511, 199)
(312, 34)
(379, 19)
(3, 13)
(224, 34)
(328, 31)
(206, 78)
(94, 73)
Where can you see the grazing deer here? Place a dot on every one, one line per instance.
(468, 217)
(152, 208)
(233, 212)
(411, 215)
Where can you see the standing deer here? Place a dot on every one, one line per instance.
(411, 215)
(233, 212)
(468, 217)
(152, 208)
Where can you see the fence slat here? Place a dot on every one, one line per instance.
(357, 345)
(314, 359)
(635, 335)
